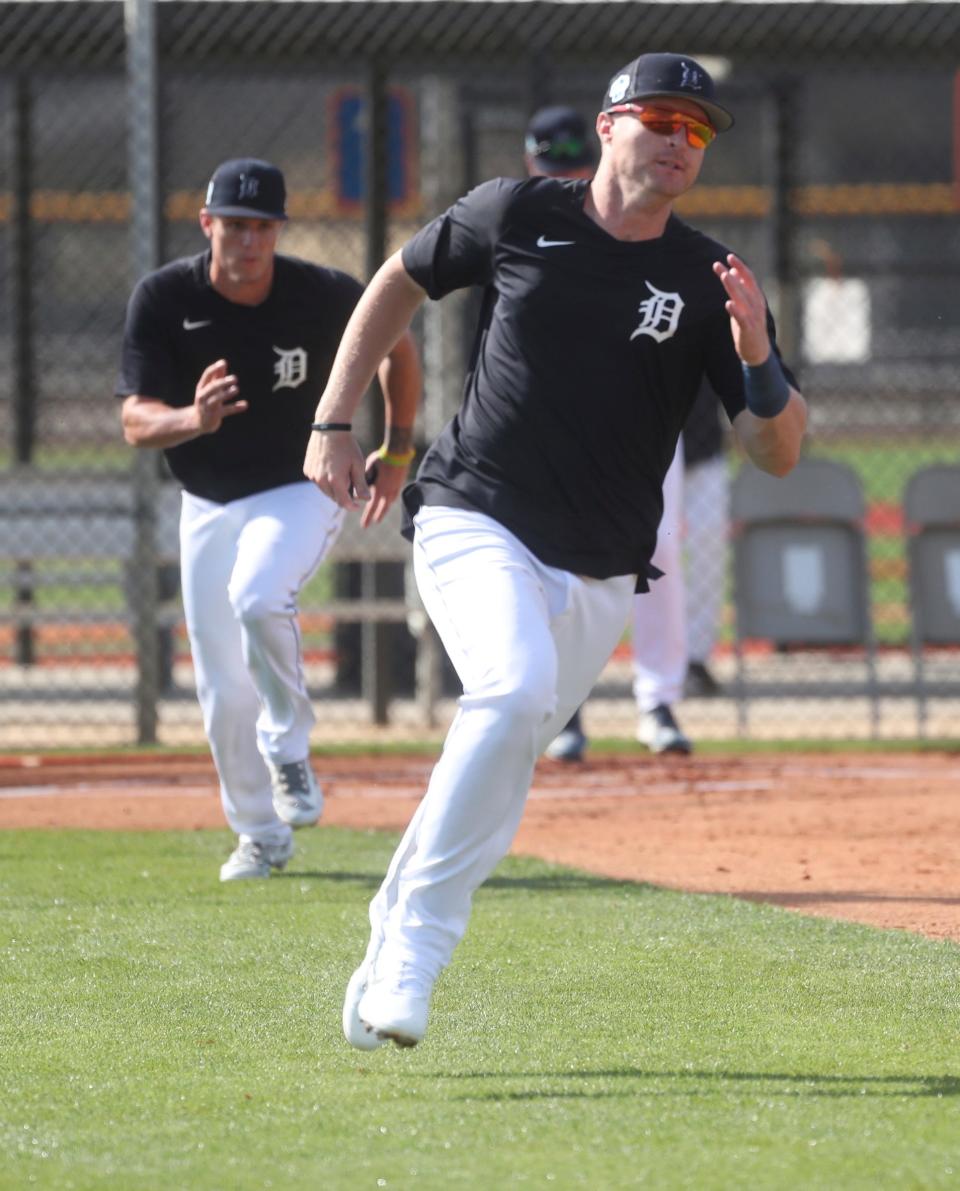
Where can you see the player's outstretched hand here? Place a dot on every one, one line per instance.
(747, 308)
(334, 462)
(386, 482)
(216, 397)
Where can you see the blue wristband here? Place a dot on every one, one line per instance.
(765, 387)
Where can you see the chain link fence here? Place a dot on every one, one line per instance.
(838, 184)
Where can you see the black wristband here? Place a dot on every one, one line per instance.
(332, 426)
(766, 389)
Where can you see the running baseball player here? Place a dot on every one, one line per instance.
(706, 534)
(534, 513)
(224, 357)
(558, 144)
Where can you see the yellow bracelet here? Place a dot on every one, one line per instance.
(403, 460)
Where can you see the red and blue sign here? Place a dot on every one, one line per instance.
(348, 129)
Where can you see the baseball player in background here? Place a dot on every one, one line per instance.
(534, 513)
(706, 535)
(558, 144)
(224, 357)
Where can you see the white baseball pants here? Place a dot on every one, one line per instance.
(706, 505)
(243, 564)
(660, 614)
(528, 641)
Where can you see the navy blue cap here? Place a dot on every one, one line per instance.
(670, 76)
(558, 139)
(247, 187)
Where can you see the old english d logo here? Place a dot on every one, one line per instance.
(659, 314)
(290, 369)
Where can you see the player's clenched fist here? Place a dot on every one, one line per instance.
(216, 397)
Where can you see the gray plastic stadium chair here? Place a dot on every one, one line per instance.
(931, 510)
(800, 572)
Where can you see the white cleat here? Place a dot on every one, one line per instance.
(396, 1008)
(570, 745)
(297, 798)
(661, 733)
(250, 860)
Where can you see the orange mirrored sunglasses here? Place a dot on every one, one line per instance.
(666, 122)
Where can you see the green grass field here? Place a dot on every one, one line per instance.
(159, 1030)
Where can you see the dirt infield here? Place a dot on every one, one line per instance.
(873, 838)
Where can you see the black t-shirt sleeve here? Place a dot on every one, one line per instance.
(456, 249)
(147, 365)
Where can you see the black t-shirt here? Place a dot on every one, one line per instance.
(588, 356)
(280, 351)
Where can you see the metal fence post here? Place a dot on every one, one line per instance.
(23, 389)
(789, 299)
(22, 380)
(140, 16)
(376, 639)
(448, 169)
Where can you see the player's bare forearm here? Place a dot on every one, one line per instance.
(150, 423)
(773, 444)
(334, 461)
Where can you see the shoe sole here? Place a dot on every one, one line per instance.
(401, 1040)
(390, 1033)
(298, 820)
(404, 1041)
(256, 876)
(680, 750)
(294, 817)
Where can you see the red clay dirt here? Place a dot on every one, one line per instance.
(873, 838)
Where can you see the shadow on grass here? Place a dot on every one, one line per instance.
(767, 1082)
(543, 883)
(576, 881)
(370, 880)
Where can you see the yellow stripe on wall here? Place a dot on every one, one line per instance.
(750, 202)
(885, 198)
(738, 202)
(64, 206)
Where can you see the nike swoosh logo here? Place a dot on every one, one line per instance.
(543, 242)
(192, 326)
